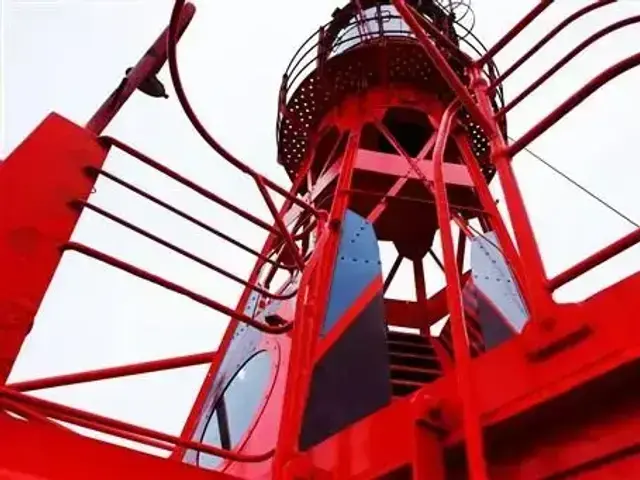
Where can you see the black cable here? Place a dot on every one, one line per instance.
(576, 184)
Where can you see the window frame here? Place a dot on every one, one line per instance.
(218, 415)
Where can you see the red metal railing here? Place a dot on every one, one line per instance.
(546, 39)
(110, 426)
(282, 244)
(282, 240)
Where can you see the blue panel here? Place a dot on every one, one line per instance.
(357, 265)
(351, 380)
(492, 276)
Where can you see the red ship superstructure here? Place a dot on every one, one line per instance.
(391, 125)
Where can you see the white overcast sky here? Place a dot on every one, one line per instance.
(67, 55)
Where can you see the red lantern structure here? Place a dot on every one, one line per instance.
(390, 132)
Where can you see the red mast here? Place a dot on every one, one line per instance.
(390, 132)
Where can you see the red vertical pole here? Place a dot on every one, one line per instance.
(421, 293)
(470, 416)
(312, 301)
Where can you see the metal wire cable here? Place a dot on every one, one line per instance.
(581, 187)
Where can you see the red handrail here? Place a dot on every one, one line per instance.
(143, 274)
(113, 372)
(511, 34)
(546, 39)
(123, 183)
(564, 60)
(573, 101)
(596, 259)
(197, 124)
(179, 250)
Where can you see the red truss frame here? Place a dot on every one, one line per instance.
(569, 359)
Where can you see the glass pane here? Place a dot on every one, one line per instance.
(243, 397)
(211, 437)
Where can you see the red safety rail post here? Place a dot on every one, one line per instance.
(148, 66)
(470, 415)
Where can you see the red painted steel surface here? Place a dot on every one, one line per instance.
(39, 180)
(558, 400)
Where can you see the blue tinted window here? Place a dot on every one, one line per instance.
(235, 411)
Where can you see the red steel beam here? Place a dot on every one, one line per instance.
(309, 314)
(495, 219)
(539, 301)
(114, 372)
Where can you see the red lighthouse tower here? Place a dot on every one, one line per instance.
(391, 124)
(374, 139)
